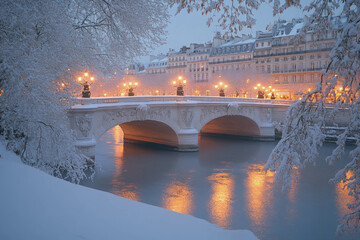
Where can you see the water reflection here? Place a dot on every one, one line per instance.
(259, 193)
(119, 188)
(224, 184)
(220, 204)
(293, 192)
(342, 196)
(178, 197)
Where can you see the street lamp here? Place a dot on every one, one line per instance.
(86, 81)
(179, 84)
(221, 87)
(131, 86)
(261, 91)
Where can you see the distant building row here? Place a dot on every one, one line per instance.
(270, 58)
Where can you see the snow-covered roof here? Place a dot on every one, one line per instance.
(158, 62)
(236, 42)
(288, 29)
(234, 46)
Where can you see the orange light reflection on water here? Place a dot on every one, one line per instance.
(178, 197)
(220, 204)
(342, 197)
(128, 191)
(259, 193)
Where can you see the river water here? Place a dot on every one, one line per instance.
(224, 184)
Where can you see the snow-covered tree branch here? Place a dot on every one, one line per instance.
(303, 128)
(43, 43)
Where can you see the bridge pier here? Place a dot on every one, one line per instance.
(267, 133)
(86, 147)
(188, 140)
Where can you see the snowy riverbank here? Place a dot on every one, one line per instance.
(34, 205)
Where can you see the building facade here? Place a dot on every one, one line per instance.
(275, 58)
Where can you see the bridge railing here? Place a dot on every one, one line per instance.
(105, 100)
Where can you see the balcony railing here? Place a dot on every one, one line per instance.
(161, 99)
(231, 61)
(292, 53)
(298, 70)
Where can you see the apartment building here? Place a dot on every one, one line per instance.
(274, 57)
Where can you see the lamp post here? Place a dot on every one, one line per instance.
(86, 81)
(265, 92)
(131, 86)
(221, 87)
(179, 84)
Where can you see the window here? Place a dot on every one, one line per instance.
(301, 57)
(312, 65)
(286, 79)
(276, 59)
(293, 58)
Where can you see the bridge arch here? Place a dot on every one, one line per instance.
(149, 131)
(137, 127)
(237, 125)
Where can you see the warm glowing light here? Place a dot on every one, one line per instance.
(157, 91)
(259, 85)
(220, 83)
(124, 84)
(79, 79)
(226, 86)
(255, 88)
(92, 79)
(309, 89)
(269, 86)
(179, 77)
(174, 82)
(273, 90)
(105, 94)
(184, 81)
(130, 83)
(263, 87)
(128, 190)
(86, 74)
(220, 205)
(178, 197)
(340, 88)
(136, 83)
(343, 197)
(216, 86)
(259, 193)
(62, 84)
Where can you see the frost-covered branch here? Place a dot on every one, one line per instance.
(303, 127)
(43, 44)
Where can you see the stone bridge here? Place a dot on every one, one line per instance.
(174, 122)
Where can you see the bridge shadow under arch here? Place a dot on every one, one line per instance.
(231, 126)
(149, 132)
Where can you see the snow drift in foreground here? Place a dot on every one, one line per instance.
(34, 205)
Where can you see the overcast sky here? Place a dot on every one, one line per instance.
(185, 28)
